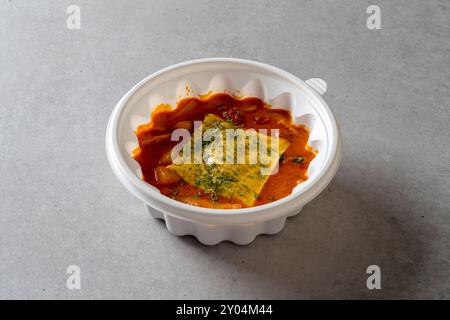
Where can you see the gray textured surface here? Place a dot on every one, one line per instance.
(60, 203)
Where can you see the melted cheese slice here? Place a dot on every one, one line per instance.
(242, 180)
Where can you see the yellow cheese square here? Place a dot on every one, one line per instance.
(243, 181)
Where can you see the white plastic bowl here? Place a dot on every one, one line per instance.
(249, 78)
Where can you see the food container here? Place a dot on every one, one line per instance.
(243, 78)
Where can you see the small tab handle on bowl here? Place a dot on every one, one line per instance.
(317, 84)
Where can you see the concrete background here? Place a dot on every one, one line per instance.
(60, 203)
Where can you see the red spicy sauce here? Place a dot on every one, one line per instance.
(155, 144)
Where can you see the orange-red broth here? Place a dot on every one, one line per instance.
(155, 146)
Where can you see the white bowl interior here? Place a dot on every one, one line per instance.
(276, 88)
